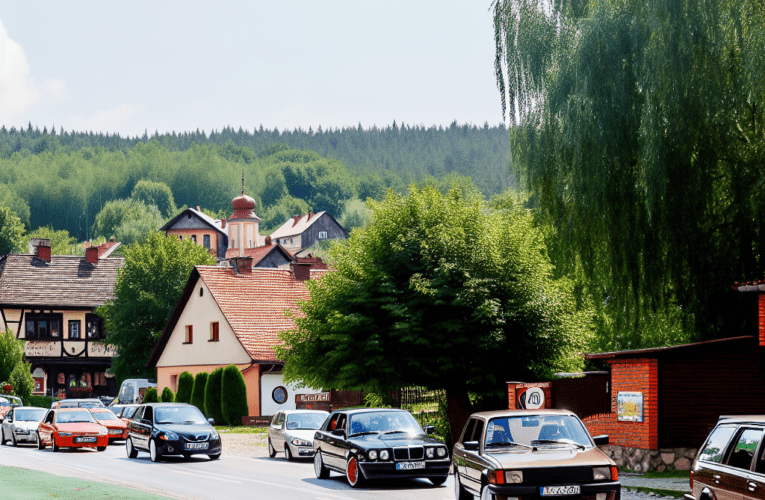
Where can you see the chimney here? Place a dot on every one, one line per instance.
(302, 272)
(43, 252)
(91, 254)
(198, 209)
(268, 240)
(37, 242)
(242, 265)
(223, 223)
(296, 219)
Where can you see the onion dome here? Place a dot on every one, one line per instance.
(244, 207)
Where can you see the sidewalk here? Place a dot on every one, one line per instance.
(630, 480)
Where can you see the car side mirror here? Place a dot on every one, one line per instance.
(429, 429)
(338, 432)
(470, 445)
(211, 420)
(601, 440)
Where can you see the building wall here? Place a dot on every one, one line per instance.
(269, 382)
(215, 244)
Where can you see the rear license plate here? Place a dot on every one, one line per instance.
(115, 431)
(410, 465)
(196, 446)
(552, 491)
(85, 440)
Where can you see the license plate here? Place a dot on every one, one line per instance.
(552, 491)
(410, 465)
(196, 446)
(116, 431)
(85, 440)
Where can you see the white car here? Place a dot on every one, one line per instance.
(20, 424)
(292, 431)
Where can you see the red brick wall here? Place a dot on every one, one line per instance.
(631, 375)
(761, 299)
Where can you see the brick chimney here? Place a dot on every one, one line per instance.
(242, 265)
(301, 271)
(43, 252)
(91, 254)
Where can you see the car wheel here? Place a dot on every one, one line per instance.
(153, 453)
(459, 491)
(271, 449)
(318, 466)
(53, 445)
(438, 481)
(215, 457)
(13, 439)
(130, 449)
(486, 494)
(100, 448)
(353, 473)
(40, 444)
(2, 436)
(287, 452)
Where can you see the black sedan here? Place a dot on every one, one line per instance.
(171, 429)
(378, 444)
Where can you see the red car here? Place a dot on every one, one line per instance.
(117, 427)
(71, 428)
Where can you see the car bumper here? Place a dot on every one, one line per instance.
(387, 470)
(71, 441)
(302, 451)
(116, 436)
(29, 437)
(179, 448)
(594, 491)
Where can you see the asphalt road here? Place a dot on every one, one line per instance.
(202, 479)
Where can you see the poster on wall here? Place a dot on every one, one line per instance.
(629, 406)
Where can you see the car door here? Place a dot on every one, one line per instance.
(140, 426)
(755, 481)
(459, 447)
(6, 428)
(334, 438)
(275, 431)
(45, 429)
(474, 463)
(720, 469)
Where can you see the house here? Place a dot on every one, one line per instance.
(303, 231)
(268, 255)
(233, 315)
(48, 300)
(200, 228)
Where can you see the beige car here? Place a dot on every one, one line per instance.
(532, 454)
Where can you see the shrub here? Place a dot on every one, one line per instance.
(233, 395)
(168, 396)
(151, 396)
(185, 387)
(212, 396)
(198, 392)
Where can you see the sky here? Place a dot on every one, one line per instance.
(130, 67)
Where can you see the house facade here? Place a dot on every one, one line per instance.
(233, 315)
(49, 301)
(193, 224)
(303, 231)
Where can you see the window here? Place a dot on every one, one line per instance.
(180, 237)
(43, 326)
(322, 235)
(469, 430)
(174, 382)
(74, 329)
(201, 291)
(716, 444)
(478, 433)
(745, 446)
(206, 240)
(94, 327)
(214, 332)
(193, 238)
(189, 334)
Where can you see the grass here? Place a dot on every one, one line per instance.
(684, 474)
(241, 429)
(658, 491)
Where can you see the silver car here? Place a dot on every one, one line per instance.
(292, 431)
(20, 425)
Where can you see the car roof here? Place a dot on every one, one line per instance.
(71, 408)
(742, 418)
(29, 408)
(292, 412)
(353, 411)
(488, 415)
(167, 404)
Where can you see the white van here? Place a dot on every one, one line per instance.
(132, 390)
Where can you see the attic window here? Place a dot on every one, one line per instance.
(201, 291)
(322, 235)
(188, 215)
(214, 332)
(189, 334)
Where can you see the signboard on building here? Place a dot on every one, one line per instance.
(100, 350)
(34, 348)
(320, 397)
(629, 406)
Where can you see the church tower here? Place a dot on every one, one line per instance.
(243, 229)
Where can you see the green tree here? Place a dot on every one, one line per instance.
(185, 387)
(638, 128)
(61, 242)
(11, 232)
(437, 291)
(151, 395)
(198, 392)
(168, 396)
(129, 221)
(147, 288)
(9, 198)
(356, 214)
(157, 194)
(21, 380)
(11, 354)
(213, 408)
(233, 395)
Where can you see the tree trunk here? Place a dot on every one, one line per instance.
(458, 409)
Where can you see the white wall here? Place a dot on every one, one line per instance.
(269, 382)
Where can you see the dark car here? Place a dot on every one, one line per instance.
(731, 463)
(378, 444)
(534, 455)
(171, 429)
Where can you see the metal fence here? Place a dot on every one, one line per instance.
(421, 402)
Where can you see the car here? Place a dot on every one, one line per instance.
(6, 403)
(378, 443)
(124, 412)
(71, 428)
(171, 429)
(730, 462)
(78, 403)
(20, 424)
(117, 427)
(293, 431)
(532, 453)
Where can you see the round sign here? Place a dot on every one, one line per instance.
(532, 398)
(280, 395)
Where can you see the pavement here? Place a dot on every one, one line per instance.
(654, 487)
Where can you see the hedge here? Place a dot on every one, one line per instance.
(212, 396)
(233, 395)
(151, 396)
(185, 387)
(168, 396)
(198, 392)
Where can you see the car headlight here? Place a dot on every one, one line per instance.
(103, 431)
(430, 452)
(513, 476)
(384, 455)
(601, 473)
(372, 455)
(301, 442)
(441, 452)
(168, 436)
(214, 434)
(65, 434)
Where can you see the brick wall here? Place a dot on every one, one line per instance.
(631, 375)
(761, 317)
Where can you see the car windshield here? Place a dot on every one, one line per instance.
(179, 415)
(105, 415)
(70, 417)
(128, 411)
(297, 421)
(30, 415)
(384, 422)
(536, 430)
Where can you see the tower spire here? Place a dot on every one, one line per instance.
(242, 179)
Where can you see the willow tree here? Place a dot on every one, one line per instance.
(638, 126)
(437, 291)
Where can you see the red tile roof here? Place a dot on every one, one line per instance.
(257, 253)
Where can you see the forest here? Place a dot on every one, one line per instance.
(63, 180)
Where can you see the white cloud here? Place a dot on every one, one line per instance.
(110, 120)
(18, 93)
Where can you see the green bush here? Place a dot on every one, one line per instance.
(198, 392)
(39, 401)
(151, 396)
(168, 396)
(185, 388)
(233, 395)
(212, 396)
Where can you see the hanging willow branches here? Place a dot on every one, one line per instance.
(638, 126)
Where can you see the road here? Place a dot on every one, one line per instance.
(202, 479)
